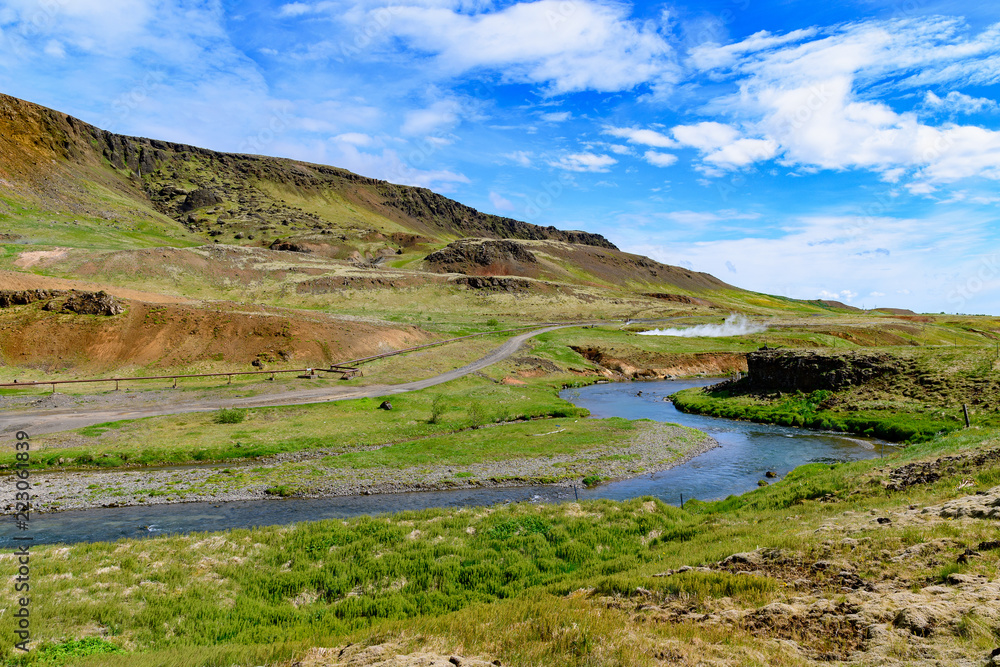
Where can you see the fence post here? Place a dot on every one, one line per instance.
(965, 409)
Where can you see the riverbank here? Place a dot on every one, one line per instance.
(641, 447)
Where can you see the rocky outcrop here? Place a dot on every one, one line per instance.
(200, 198)
(10, 298)
(494, 284)
(483, 256)
(484, 253)
(798, 370)
(93, 303)
(679, 298)
(289, 246)
(81, 303)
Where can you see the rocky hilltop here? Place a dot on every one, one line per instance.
(217, 194)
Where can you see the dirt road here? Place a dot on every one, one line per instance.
(49, 421)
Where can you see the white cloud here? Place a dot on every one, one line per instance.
(55, 49)
(931, 257)
(295, 9)
(742, 152)
(501, 203)
(659, 159)
(585, 162)
(706, 136)
(443, 114)
(809, 102)
(843, 295)
(92, 26)
(354, 138)
(644, 137)
(557, 116)
(522, 158)
(713, 56)
(568, 46)
(956, 102)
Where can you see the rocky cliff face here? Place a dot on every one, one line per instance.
(798, 370)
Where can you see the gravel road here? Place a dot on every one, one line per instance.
(38, 421)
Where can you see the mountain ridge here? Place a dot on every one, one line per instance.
(159, 175)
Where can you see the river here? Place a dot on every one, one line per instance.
(746, 453)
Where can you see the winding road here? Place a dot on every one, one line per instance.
(49, 421)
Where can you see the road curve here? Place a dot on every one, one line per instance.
(50, 421)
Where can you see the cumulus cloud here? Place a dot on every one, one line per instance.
(645, 137)
(567, 46)
(809, 99)
(706, 136)
(659, 159)
(585, 162)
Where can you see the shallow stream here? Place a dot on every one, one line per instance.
(746, 453)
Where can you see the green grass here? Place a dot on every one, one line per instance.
(337, 427)
(467, 575)
(230, 416)
(802, 410)
(511, 441)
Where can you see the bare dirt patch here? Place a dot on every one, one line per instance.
(32, 257)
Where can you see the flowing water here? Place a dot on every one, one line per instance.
(747, 451)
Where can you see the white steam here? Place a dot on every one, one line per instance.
(735, 325)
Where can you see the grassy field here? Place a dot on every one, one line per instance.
(526, 584)
(332, 427)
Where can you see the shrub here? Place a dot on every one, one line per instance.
(230, 416)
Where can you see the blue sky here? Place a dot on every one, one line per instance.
(846, 150)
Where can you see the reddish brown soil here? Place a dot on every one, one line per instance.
(14, 280)
(167, 335)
